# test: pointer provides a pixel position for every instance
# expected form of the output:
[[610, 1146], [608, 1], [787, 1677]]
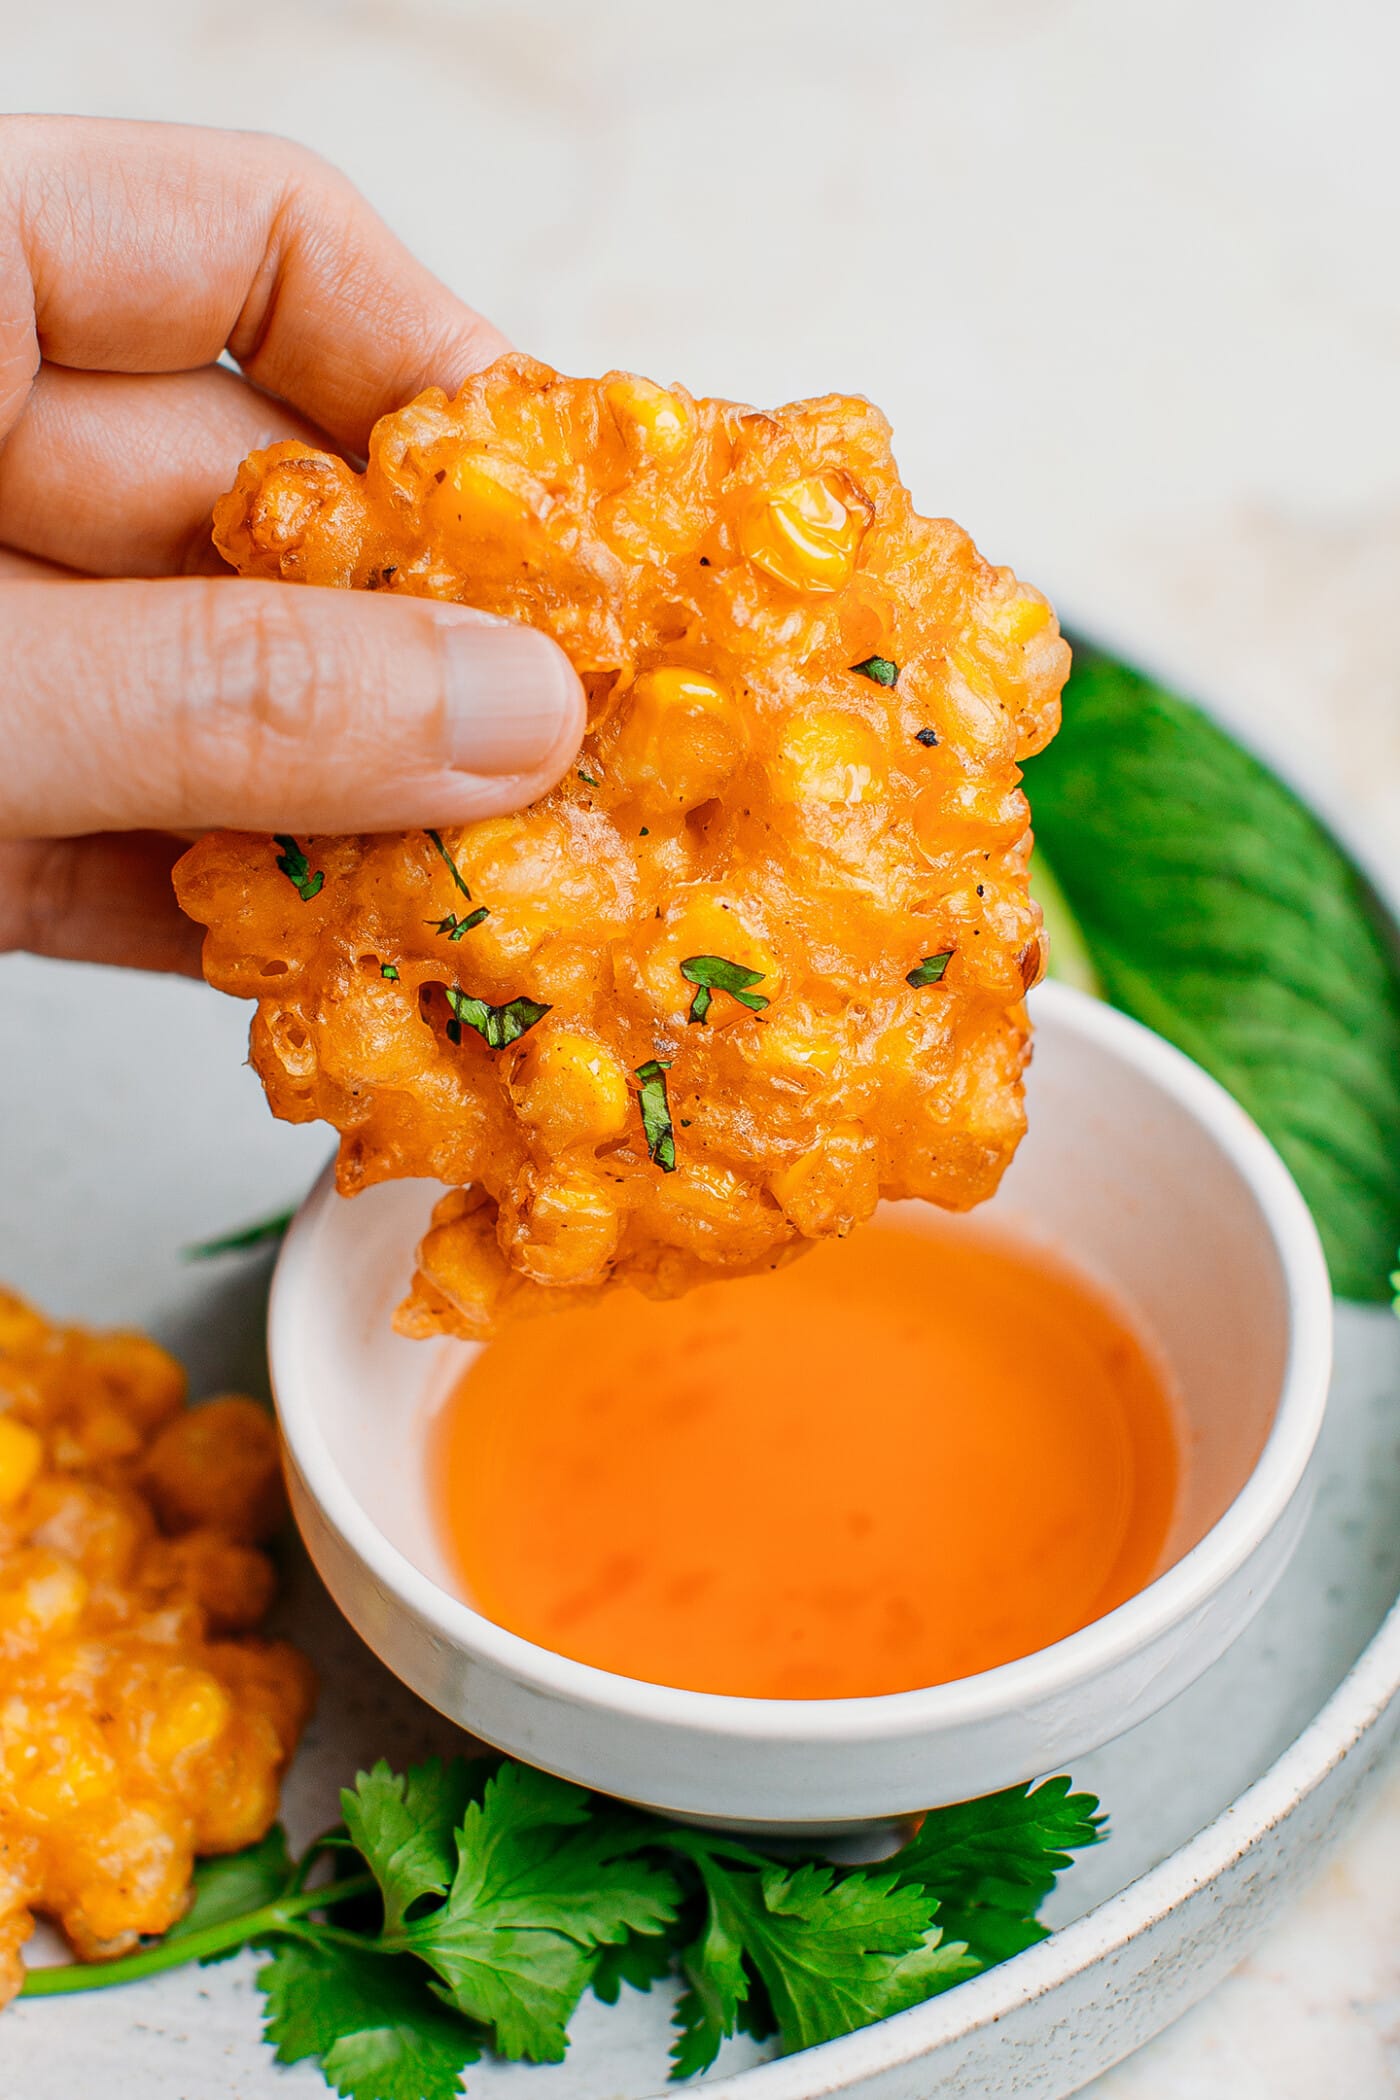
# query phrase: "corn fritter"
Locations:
[[761, 958], [140, 1723]]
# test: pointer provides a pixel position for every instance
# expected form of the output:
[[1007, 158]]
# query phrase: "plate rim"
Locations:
[[1335, 1737]]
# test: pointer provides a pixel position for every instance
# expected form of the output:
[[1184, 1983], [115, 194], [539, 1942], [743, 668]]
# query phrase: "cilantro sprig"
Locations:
[[449, 863], [880, 670], [657, 1127], [472, 1903], [715, 973], [929, 971], [498, 1026], [305, 880], [454, 926]]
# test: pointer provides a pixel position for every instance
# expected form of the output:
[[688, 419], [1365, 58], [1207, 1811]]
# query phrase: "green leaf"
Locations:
[[454, 927], [640, 1960], [833, 1952], [656, 1114], [1070, 961], [587, 777], [930, 970], [991, 1863], [391, 971], [1218, 910], [449, 863], [372, 2020], [498, 1026], [405, 1826], [238, 1882], [297, 868], [880, 669], [716, 973], [258, 1235], [542, 1882]]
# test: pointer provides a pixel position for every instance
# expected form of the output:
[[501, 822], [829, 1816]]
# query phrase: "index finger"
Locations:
[[130, 247]]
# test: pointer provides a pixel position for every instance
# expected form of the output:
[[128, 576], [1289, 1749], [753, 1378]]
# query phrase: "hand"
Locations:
[[182, 698]]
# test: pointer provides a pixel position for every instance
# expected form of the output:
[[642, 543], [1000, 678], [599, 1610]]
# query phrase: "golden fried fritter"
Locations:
[[761, 958], [139, 1726]]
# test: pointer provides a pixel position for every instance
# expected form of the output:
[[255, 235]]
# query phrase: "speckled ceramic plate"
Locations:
[[132, 1129]]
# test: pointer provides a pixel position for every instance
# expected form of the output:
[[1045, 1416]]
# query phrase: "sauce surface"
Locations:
[[908, 1457]]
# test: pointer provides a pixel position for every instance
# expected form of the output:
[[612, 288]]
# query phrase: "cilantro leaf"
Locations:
[[713, 973], [991, 1863], [450, 864], [1022, 1837], [498, 1026], [640, 1960], [656, 1114], [391, 971], [541, 1883], [405, 1826], [247, 1236], [234, 1883], [585, 775], [454, 927], [879, 669], [930, 970], [374, 2023], [833, 1952], [297, 868]]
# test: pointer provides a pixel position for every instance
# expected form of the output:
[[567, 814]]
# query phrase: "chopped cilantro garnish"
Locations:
[[584, 774], [715, 973], [927, 737], [498, 1895], [656, 1114], [391, 971], [880, 669], [930, 970], [449, 863], [454, 927], [297, 868], [498, 1026]]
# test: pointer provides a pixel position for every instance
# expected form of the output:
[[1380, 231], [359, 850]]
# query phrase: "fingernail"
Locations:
[[511, 695]]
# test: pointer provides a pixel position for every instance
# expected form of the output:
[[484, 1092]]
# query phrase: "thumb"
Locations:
[[199, 704]]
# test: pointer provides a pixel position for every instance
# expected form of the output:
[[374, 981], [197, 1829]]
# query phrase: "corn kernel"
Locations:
[[678, 738], [191, 1712], [805, 535], [830, 758], [565, 1233], [481, 498], [832, 1187], [658, 422], [570, 1088], [800, 1044], [21, 1455], [1023, 615], [76, 1767], [42, 1595]]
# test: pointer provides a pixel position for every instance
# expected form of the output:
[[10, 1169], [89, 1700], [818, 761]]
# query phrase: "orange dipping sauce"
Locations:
[[908, 1457]]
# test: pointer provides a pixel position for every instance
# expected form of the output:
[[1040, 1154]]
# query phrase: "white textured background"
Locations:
[[1126, 277]]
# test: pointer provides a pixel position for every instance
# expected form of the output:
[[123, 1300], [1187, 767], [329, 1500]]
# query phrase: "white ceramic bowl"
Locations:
[[1141, 1169]]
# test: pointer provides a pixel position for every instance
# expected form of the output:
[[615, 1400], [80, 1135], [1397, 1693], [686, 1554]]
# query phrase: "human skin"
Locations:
[[146, 693]]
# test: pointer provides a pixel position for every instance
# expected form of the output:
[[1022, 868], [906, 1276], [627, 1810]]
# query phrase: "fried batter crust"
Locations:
[[140, 1725], [744, 792]]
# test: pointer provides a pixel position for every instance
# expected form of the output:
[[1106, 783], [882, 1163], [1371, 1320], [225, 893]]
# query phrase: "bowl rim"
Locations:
[[1046, 1673]]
